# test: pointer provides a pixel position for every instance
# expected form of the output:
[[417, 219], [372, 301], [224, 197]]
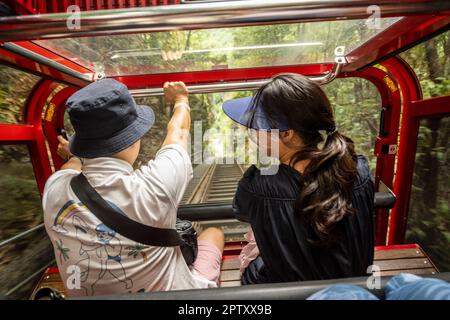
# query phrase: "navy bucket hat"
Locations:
[[106, 119]]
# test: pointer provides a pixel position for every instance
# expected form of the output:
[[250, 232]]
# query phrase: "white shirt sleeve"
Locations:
[[54, 186], [172, 169]]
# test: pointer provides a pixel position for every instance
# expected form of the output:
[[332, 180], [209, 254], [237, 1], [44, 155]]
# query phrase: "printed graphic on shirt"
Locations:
[[99, 246], [63, 251], [137, 250]]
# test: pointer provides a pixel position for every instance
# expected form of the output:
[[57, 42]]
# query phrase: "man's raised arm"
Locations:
[[178, 127]]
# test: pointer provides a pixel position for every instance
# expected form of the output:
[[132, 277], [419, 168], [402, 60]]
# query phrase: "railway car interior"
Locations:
[[224, 50]]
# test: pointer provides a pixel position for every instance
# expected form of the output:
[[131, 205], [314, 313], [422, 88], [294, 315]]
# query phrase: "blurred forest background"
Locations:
[[355, 101]]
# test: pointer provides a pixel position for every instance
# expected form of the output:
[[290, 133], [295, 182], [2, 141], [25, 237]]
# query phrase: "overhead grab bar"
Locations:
[[234, 86]]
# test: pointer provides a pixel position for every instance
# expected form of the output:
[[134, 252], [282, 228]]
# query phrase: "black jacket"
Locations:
[[288, 247]]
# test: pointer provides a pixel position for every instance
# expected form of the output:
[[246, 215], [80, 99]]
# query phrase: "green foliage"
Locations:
[[14, 89], [20, 200], [356, 104], [435, 88]]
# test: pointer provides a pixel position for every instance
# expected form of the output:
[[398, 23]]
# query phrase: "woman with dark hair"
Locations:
[[313, 218]]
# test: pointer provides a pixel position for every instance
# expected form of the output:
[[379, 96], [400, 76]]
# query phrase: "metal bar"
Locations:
[[29, 278], [206, 88], [16, 133], [20, 235], [433, 107], [211, 211], [14, 48], [232, 86], [299, 290], [202, 212], [221, 75], [206, 15]]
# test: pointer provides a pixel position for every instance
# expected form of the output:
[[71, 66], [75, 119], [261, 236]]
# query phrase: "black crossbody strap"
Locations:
[[118, 222]]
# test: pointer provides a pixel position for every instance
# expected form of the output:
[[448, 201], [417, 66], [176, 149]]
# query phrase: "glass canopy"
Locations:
[[211, 49]]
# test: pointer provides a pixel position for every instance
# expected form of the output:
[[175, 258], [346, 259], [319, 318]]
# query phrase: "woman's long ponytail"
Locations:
[[326, 196]]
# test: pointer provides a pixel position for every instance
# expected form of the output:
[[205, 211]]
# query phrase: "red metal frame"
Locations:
[[391, 104], [401, 34], [410, 89], [25, 64], [55, 6], [23, 6], [16, 133], [414, 112], [72, 64], [33, 115], [433, 107], [397, 247], [54, 120], [30, 132]]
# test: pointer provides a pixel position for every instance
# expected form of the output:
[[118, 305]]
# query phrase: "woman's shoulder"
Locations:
[[280, 182], [284, 182]]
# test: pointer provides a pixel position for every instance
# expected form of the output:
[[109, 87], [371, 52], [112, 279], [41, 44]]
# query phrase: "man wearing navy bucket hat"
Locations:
[[95, 254]]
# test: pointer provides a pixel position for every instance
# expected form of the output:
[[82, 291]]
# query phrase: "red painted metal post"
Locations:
[[42, 6], [54, 6], [32, 115], [54, 120], [25, 7], [65, 5], [40, 159], [391, 106], [410, 88]]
